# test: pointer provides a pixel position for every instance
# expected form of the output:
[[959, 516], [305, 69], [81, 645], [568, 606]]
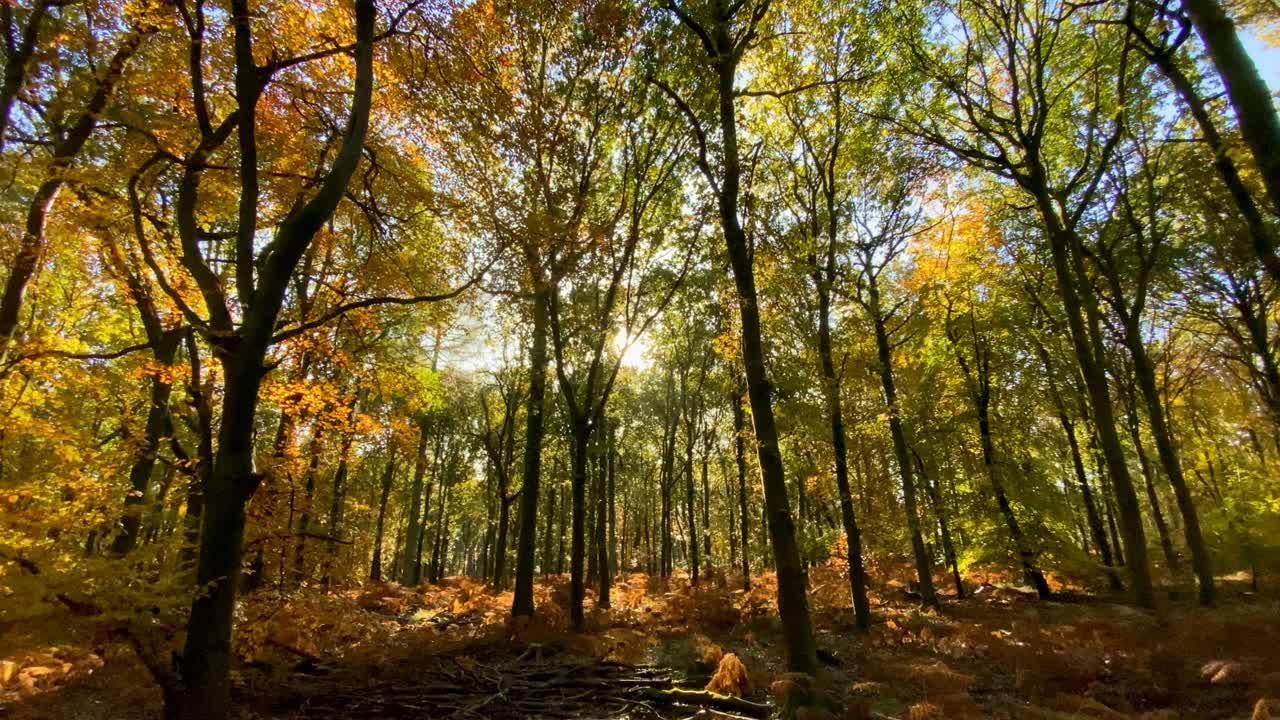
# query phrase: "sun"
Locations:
[[634, 354]]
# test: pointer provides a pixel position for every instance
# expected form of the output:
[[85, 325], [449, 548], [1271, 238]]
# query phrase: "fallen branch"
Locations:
[[705, 698]]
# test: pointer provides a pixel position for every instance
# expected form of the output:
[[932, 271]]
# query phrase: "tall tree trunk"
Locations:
[[548, 560], [1080, 301], [1145, 377], [690, 508], [1093, 517], [522, 602], [740, 459], [158, 423], [409, 569], [706, 502], [578, 544], [602, 516], [612, 568], [932, 488], [835, 417], [304, 522], [388, 475], [1153, 499], [924, 565], [793, 603]]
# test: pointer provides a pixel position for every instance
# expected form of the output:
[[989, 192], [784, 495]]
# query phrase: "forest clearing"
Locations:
[[876, 359]]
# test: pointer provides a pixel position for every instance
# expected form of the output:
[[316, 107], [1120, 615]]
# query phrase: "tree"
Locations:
[[721, 37]]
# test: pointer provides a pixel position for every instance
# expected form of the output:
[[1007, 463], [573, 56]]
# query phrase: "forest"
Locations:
[[673, 359]]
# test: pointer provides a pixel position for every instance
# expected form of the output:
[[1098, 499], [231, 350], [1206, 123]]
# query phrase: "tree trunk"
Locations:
[[522, 602], [388, 475], [1249, 94], [1144, 374], [835, 416], [158, 423], [548, 560], [578, 540], [793, 604], [924, 566], [931, 486], [409, 568], [1079, 301], [1157, 515], [304, 522], [740, 458]]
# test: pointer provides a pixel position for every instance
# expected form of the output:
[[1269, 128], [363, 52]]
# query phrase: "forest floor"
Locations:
[[450, 651]]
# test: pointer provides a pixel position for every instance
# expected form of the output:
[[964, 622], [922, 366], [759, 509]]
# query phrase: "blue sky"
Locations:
[[1267, 58]]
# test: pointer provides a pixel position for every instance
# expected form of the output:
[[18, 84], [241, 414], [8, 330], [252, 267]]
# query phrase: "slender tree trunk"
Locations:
[[409, 569], [924, 566], [1157, 515], [388, 475], [304, 521], [690, 508], [740, 459], [548, 560], [158, 423], [835, 417], [1092, 516], [931, 486], [793, 604], [522, 603], [1144, 374], [578, 540], [1080, 301], [602, 518]]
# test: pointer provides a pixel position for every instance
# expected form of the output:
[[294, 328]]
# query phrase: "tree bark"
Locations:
[[388, 476], [740, 460], [522, 602], [924, 566], [158, 424], [839, 444], [1079, 301]]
